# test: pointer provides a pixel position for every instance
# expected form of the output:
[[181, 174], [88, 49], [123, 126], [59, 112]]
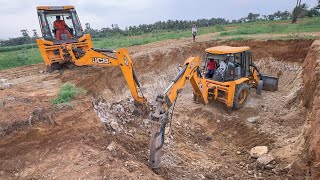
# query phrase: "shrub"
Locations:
[[67, 92]]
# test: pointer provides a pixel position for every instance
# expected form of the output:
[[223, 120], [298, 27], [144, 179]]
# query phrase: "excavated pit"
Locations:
[[205, 142], [203, 132]]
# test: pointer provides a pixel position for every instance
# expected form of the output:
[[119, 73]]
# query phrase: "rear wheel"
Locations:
[[240, 95]]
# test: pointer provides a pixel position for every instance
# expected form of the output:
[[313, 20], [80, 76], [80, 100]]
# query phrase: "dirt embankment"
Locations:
[[311, 100], [206, 142]]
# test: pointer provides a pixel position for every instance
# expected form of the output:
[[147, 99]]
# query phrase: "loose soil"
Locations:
[[44, 141]]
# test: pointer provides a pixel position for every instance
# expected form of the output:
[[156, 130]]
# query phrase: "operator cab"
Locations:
[[71, 29], [232, 63]]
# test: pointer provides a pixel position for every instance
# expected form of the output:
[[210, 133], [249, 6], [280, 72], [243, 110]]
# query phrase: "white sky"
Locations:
[[21, 14]]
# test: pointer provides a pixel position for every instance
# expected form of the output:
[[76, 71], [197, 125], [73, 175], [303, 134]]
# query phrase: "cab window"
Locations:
[[70, 18]]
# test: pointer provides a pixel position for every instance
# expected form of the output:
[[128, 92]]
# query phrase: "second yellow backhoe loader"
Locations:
[[64, 41], [230, 85]]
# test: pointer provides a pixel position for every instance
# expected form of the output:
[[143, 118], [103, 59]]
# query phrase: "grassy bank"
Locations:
[[307, 25], [18, 58], [14, 56]]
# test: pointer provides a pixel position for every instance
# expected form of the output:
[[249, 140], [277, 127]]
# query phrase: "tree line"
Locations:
[[25, 38], [301, 10]]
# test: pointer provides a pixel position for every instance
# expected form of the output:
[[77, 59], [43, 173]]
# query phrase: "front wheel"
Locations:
[[240, 95]]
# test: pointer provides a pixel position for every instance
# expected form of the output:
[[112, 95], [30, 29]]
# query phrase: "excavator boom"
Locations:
[[190, 72], [97, 57], [101, 57]]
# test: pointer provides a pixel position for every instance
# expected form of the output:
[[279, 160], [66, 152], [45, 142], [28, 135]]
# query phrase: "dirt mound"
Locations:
[[311, 100]]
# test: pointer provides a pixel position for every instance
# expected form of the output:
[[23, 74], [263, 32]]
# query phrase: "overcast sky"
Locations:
[[21, 14]]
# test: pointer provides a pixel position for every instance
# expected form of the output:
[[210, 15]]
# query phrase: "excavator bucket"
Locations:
[[270, 83]]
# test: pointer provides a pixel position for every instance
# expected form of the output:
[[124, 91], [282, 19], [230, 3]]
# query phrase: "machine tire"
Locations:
[[53, 67], [259, 87], [240, 95]]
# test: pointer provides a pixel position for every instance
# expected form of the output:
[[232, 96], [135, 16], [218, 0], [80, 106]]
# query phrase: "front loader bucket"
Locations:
[[270, 83]]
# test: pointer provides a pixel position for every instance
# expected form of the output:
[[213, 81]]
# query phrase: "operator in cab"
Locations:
[[220, 72], [61, 28], [212, 65]]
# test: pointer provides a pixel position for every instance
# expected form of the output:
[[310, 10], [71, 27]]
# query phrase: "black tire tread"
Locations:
[[239, 88]]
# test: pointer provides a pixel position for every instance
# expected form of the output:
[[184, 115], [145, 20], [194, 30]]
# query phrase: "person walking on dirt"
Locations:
[[194, 32], [212, 65], [61, 28]]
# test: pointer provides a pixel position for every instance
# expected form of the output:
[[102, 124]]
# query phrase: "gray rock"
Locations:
[[3, 80], [5, 85], [223, 152], [146, 123], [242, 164], [2, 103], [115, 126], [202, 176], [288, 168], [111, 146], [253, 119], [265, 160], [119, 108], [258, 151], [131, 108]]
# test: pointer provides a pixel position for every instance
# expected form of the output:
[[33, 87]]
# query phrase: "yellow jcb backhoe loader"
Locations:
[[64, 41], [230, 85]]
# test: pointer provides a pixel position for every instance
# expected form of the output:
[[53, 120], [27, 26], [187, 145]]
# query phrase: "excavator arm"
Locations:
[[100, 57], [82, 53], [107, 57], [190, 72]]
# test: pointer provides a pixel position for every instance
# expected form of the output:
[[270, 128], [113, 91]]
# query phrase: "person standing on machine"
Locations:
[[212, 65]]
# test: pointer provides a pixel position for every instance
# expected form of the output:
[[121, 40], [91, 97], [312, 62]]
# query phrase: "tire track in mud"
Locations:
[[21, 71]]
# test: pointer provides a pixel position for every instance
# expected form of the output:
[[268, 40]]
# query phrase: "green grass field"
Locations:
[[18, 58], [14, 56]]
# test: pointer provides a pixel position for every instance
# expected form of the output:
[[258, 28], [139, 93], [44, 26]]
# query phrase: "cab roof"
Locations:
[[226, 49], [54, 8]]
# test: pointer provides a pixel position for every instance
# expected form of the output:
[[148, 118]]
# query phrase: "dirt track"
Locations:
[[79, 146]]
